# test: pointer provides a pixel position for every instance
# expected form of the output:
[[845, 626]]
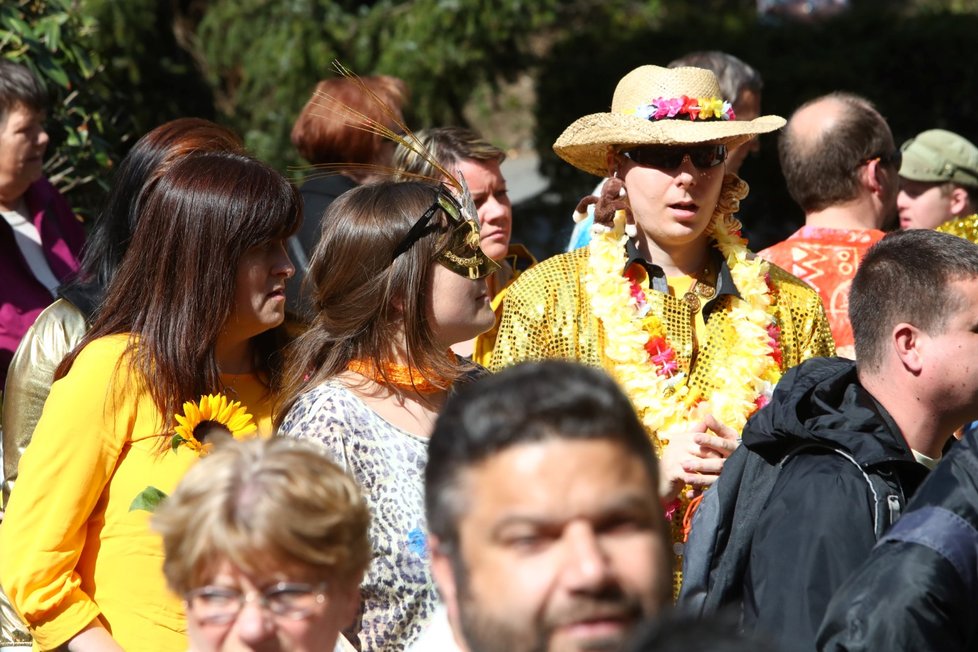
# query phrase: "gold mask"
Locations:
[[462, 252]]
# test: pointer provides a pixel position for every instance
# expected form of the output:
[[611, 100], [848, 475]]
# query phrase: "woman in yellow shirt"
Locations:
[[193, 309]]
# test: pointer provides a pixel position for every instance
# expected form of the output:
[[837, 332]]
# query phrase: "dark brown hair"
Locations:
[[20, 86], [172, 292], [907, 277], [323, 138], [149, 157], [364, 300]]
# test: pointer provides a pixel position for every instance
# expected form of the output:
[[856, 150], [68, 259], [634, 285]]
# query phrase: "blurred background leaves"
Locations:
[[519, 70]]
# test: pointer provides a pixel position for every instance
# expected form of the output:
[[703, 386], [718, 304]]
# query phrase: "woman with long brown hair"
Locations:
[[398, 277], [192, 310], [63, 324]]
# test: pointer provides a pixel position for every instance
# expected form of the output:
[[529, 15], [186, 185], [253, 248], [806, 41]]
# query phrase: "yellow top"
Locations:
[[56, 331], [71, 549]]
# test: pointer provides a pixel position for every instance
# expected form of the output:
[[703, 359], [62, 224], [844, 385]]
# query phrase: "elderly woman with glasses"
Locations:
[[666, 296], [266, 542]]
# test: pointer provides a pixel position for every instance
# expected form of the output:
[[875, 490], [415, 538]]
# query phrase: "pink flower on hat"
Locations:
[[673, 106], [728, 112]]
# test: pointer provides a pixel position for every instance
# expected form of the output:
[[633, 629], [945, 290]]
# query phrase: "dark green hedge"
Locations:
[[919, 70]]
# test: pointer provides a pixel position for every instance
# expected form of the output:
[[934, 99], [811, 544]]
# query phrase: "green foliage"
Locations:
[[265, 57], [147, 500], [50, 37], [155, 75]]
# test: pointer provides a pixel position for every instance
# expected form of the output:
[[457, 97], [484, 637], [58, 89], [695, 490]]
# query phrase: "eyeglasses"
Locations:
[[666, 157], [462, 253], [894, 158], [220, 605]]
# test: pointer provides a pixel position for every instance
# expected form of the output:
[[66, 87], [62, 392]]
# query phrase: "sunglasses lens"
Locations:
[[670, 158], [708, 156]]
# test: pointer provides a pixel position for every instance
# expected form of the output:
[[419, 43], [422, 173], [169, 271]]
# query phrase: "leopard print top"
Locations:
[[398, 594]]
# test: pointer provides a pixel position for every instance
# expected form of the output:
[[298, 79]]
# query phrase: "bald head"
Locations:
[[823, 145]]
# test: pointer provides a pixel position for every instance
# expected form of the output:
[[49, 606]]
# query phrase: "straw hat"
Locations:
[[644, 112]]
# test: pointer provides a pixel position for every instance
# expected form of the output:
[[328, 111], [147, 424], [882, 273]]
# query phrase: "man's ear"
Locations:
[[442, 571], [960, 202], [874, 177], [906, 340]]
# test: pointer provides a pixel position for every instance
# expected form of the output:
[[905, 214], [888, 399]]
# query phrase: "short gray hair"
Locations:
[[733, 74]]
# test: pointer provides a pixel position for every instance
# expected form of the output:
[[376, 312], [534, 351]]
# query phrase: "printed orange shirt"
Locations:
[[827, 260]]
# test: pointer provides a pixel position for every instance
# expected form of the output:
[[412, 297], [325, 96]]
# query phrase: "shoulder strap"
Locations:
[[716, 554]]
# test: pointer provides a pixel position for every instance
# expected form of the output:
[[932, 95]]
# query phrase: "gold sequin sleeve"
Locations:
[[546, 315], [805, 331], [963, 227]]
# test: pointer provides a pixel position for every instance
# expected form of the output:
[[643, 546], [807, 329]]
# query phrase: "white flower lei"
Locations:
[[750, 371]]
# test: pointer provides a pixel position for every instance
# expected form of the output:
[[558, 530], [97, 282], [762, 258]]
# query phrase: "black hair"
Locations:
[[529, 402]]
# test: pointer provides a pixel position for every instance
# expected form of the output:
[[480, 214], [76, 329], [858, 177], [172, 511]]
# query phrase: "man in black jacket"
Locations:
[[852, 441], [919, 588]]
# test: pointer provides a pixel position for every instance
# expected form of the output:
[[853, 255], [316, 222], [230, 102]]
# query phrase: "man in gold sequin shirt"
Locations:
[[666, 297]]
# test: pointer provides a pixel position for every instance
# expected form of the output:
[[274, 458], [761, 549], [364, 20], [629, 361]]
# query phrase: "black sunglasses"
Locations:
[[666, 157]]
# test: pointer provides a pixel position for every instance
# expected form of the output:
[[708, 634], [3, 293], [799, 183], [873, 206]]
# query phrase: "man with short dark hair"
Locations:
[[546, 531], [840, 164], [939, 183], [849, 442]]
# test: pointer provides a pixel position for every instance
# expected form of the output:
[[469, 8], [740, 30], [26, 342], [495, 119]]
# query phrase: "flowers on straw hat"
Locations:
[[658, 106]]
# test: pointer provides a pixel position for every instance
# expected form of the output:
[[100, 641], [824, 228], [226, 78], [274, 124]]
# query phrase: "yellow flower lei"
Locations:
[[751, 364]]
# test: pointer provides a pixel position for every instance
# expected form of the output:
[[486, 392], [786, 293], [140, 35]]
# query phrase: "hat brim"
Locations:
[[585, 143]]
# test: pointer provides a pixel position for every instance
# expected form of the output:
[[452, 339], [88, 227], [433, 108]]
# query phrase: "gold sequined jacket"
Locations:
[[547, 314], [963, 227]]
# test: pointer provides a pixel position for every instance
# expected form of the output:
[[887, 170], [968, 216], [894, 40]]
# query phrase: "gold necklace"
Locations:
[[699, 289]]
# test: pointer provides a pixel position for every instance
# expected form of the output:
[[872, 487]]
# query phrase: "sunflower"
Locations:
[[210, 420]]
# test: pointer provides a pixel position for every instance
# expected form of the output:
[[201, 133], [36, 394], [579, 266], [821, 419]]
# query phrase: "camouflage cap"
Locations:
[[938, 155]]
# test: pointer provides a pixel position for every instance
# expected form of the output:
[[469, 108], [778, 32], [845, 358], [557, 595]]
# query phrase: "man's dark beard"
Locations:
[[486, 635]]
